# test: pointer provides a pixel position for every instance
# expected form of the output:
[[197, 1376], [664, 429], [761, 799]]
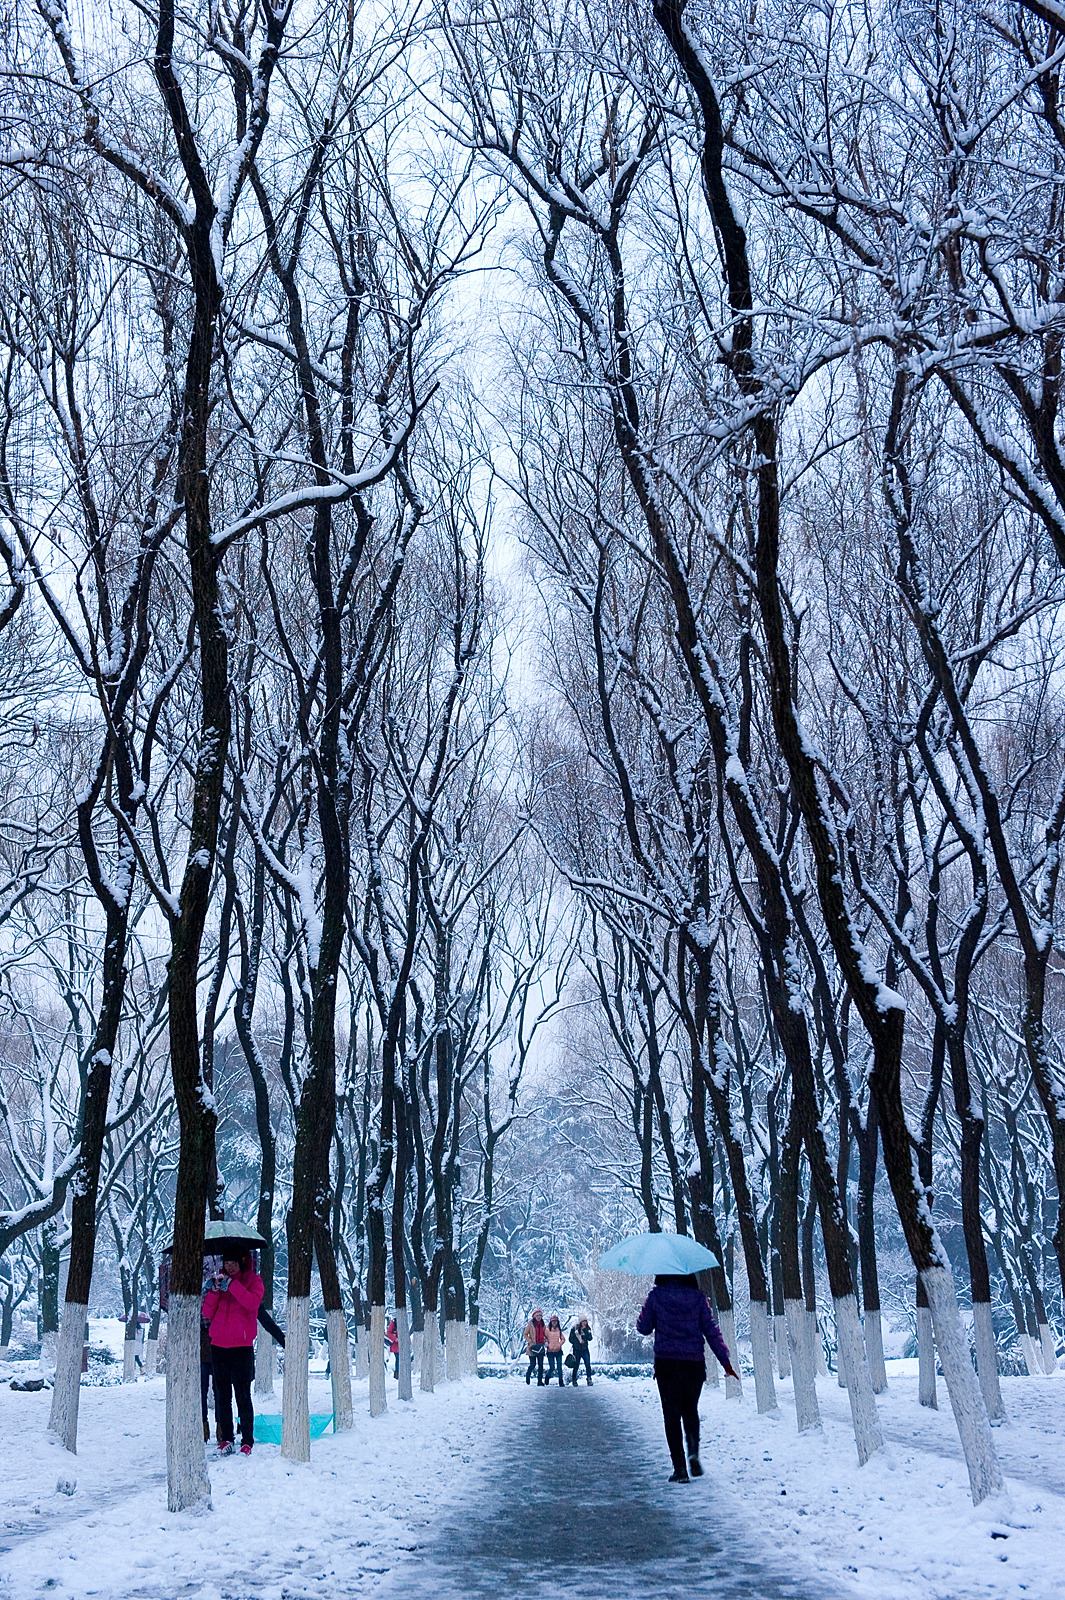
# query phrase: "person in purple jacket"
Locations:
[[678, 1314]]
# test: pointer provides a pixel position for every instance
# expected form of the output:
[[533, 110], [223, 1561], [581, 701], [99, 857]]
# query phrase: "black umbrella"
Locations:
[[218, 1235]]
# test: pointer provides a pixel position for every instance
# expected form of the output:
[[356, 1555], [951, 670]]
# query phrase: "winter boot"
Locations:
[[678, 1477], [695, 1466]]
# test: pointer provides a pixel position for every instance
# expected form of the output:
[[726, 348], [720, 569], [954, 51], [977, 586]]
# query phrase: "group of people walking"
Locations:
[[548, 1339]]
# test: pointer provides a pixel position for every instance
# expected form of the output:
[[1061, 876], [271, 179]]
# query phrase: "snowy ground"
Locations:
[[354, 1521]]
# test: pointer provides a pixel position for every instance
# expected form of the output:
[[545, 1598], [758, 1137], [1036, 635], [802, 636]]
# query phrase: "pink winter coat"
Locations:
[[232, 1312]]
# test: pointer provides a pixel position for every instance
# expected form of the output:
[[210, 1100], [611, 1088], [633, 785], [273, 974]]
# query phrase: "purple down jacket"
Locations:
[[680, 1318]]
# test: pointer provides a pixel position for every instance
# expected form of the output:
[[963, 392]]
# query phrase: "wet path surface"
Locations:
[[574, 1504]]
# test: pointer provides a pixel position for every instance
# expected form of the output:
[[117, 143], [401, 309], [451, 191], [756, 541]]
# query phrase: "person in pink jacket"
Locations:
[[556, 1343], [230, 1309]]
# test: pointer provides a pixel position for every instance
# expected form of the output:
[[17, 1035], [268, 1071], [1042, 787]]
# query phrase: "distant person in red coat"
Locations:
[[392, 1341], [230, 1308]]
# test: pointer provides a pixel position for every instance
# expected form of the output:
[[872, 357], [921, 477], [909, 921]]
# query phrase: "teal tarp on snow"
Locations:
[[268, 1429]]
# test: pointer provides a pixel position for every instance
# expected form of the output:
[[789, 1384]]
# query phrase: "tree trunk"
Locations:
[[129, 1353], [265, 1361], [453, 1334], [362, 1360], [48, 1295], [63, 1419], [417, 1341], [926, 1353], [336, 1330], [151, 1347], [378, 1396], [867, 1434], [399, 1250], [727, 1323], [970, 1415], [807, 1410], [295, 1403], [868, 1143]]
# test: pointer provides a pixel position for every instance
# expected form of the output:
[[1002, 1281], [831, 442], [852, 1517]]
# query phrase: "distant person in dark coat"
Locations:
[[678, 1314], [580, 1338]]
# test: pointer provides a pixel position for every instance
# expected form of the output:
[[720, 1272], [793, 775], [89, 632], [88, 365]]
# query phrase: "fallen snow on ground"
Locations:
[[899, 1528], [278, 1529], [903, 1525]]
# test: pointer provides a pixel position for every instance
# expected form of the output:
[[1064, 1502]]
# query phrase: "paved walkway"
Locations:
[[572, 1503]]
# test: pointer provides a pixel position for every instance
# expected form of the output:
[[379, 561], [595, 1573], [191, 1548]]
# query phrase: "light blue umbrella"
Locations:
[[651, 1253]]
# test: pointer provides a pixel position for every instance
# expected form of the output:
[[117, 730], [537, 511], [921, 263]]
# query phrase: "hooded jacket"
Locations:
[[232, 1313], [680, 1319]]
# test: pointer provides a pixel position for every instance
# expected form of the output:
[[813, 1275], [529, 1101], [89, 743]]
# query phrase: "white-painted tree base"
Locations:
[[295, 1401], [362, 1354], [454, 1336], [726, 1321], [765, 1394], [63, 1419], [780, 1341], [713, 1367], [987, 1361], [926, 1360], [1032, 1360], [471, 1350], [967, 1403], [265, 1362], [874, 1350], [376, 1353], [406, 1385], [818, 1343], [188, 1488], [807, 1410], [868, 1437], [151, 1357], [416, 1354], [336, 1332], [49, 1351], [129, 1360], [1050, 1355], [427, 1365]]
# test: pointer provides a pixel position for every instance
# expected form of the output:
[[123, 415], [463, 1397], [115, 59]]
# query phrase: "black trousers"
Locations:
[[536, 1364], [233, 1370], [582, 1355], [205, 1383], [679, 1385]]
